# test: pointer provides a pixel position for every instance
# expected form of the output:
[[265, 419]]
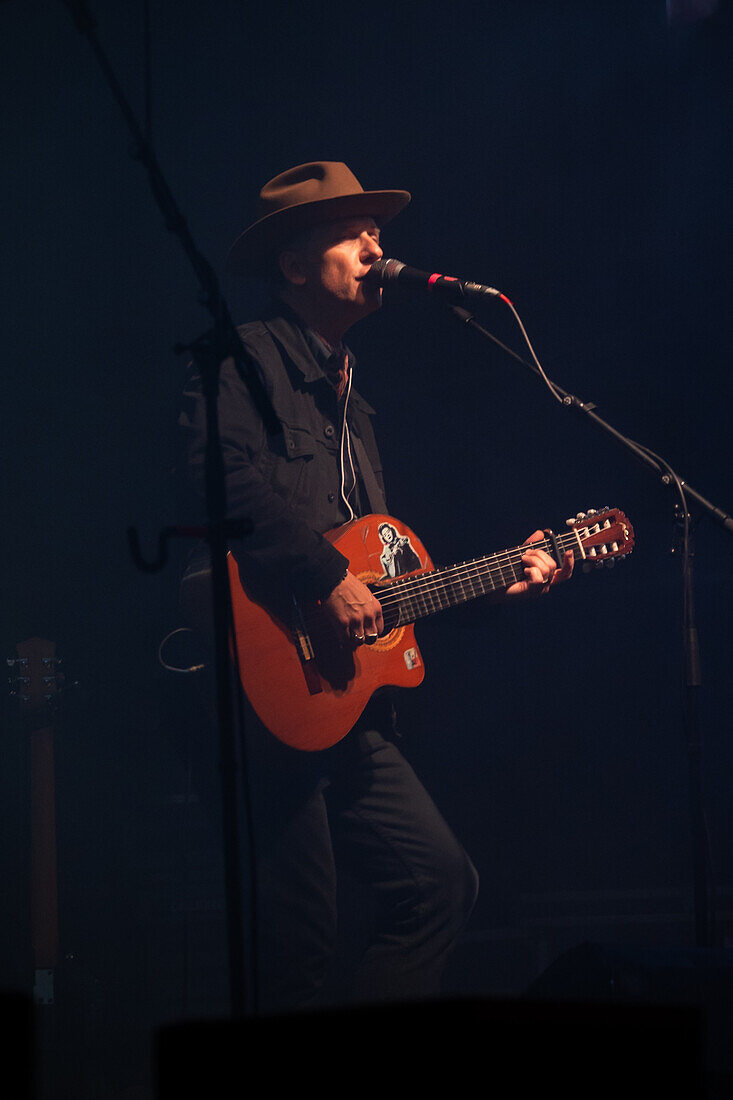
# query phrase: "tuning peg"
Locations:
[[591, 511], [570, 522], [609, 563], [580, 515]]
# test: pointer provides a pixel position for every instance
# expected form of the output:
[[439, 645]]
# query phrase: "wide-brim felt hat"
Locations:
[[300, 199]]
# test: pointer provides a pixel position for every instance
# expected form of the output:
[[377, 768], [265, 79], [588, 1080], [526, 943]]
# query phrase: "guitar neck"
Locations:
[[422, 595]]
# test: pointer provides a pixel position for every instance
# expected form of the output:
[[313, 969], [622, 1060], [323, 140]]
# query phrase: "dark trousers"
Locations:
[[354, 814]]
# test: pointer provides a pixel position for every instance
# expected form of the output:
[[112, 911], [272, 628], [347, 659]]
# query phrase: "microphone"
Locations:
[[394, 272]]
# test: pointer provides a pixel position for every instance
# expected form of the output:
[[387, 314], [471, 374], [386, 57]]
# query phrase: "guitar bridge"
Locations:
[[306, 653]]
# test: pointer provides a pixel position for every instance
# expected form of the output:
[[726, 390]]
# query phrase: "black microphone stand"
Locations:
[[208, 352], [704, 906]]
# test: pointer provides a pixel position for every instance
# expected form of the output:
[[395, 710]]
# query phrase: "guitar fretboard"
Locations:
[[405, 601]]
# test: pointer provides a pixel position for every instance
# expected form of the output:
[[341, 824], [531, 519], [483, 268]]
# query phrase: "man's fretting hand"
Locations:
[[540, 570]]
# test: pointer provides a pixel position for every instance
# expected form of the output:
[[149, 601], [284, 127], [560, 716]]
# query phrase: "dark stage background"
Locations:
[[575, 155]]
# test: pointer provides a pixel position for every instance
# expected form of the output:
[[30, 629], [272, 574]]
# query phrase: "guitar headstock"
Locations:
[[605, 535], [37, 682]]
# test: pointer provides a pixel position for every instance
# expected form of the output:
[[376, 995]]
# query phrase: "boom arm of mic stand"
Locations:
[[569, 400]]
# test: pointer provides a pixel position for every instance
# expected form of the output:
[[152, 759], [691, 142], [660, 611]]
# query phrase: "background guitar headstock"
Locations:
[[36, 683]]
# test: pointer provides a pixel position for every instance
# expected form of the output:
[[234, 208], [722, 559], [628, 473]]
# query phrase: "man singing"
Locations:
[[302, 465]]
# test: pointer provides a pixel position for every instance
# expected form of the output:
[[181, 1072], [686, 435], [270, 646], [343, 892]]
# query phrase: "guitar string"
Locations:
[[491, 566], [419, 589], [440, 580], [511, 556], [419, 595]]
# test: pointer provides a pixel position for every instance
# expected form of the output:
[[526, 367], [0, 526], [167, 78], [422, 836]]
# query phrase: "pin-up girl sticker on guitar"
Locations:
[[398, 556]]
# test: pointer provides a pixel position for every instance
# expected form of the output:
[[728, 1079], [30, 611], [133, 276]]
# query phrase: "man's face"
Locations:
[[332, 263]]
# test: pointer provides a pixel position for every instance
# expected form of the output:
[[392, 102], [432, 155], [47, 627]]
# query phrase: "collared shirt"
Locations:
[[336, 363]]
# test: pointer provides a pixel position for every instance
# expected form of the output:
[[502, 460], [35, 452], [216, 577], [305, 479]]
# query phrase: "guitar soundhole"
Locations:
[[390, 612], [335, 662]]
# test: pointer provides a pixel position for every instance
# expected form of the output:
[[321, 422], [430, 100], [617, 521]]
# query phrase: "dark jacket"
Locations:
[[282, 460]]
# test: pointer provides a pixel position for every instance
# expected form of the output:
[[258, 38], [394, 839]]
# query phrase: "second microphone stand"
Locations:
[[208, 352]]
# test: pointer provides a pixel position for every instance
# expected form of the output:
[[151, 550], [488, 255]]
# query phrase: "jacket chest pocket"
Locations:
[[286, 463], [297, 443]]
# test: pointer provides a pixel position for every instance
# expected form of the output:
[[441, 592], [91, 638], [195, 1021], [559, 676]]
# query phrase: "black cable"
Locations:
[[147, 74]]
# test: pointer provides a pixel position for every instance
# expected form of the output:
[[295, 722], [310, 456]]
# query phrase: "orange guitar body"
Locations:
[[307, 689]]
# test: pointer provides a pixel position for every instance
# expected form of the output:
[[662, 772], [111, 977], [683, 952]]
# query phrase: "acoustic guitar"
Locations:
[[309, 690]]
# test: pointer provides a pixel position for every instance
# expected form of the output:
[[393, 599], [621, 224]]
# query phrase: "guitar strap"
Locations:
[[377, 503]]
